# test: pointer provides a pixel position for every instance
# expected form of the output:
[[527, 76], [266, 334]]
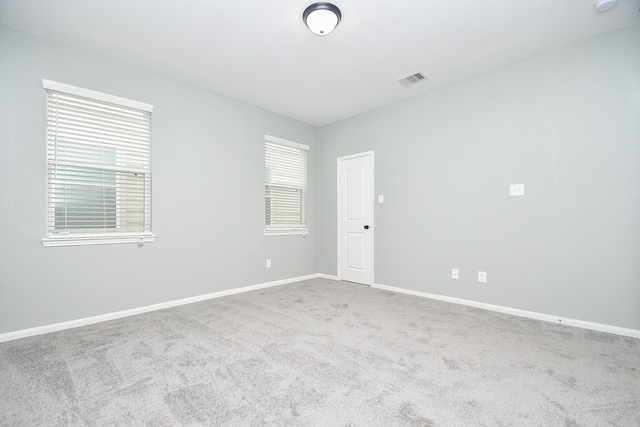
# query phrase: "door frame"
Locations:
[[339, 206]]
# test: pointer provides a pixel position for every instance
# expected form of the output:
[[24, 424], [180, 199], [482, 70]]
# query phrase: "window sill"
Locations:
[[287, 232], [140, 239]]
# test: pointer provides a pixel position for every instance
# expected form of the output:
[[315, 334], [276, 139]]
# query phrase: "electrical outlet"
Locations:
[[454, 273], [482, 276], [268, 263], [516, 190]]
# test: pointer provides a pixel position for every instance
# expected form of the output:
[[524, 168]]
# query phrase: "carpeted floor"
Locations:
[[321, 353]]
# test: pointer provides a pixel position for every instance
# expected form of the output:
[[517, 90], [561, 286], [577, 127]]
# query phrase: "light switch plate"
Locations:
[[516, 190], [380, 198]]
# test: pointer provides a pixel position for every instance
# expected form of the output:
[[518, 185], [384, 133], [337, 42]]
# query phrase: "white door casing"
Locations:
[[355, 218]]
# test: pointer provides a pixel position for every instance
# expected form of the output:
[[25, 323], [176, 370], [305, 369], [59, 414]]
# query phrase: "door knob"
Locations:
[[366, 227]]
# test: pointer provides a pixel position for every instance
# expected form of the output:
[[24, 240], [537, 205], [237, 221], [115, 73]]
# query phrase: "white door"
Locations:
[[355, 218]]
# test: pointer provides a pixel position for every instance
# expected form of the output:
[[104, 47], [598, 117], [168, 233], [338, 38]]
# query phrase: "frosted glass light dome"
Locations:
[[322, 18]]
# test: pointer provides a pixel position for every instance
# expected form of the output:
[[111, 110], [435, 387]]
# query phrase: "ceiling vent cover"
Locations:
[[412, 79]]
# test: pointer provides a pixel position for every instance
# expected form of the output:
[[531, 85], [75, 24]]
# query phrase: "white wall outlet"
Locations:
[[516, 190], [268, 263], [454, 273], [482, 276], [380, 198]]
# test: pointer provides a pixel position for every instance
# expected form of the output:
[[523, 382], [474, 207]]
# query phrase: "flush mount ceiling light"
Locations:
[[604, 5], [321, 18]]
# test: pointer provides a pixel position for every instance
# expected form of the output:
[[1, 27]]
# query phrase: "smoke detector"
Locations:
[[604, 5], [412, 79]]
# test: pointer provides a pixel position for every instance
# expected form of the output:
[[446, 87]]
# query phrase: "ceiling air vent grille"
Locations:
[[412, 79]]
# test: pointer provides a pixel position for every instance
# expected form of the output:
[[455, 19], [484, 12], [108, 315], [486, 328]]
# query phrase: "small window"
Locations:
[[98, 168], [285, 187]]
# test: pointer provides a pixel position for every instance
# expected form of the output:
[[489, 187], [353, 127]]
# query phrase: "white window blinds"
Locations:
[[285, 186], [98, 167]]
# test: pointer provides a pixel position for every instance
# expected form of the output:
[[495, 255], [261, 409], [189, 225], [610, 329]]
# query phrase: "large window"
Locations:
[[98, 168], [285, 186]]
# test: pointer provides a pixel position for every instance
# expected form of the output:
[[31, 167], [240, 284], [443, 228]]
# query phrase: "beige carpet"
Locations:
[[321, 353]]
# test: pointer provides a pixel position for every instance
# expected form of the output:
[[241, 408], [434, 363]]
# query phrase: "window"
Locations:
[[285, 187], [98, 168]]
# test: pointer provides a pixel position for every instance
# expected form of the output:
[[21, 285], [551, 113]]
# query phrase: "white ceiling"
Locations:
[[260, 52]]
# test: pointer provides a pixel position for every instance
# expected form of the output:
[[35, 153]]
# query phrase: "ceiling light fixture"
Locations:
[[604, 5], [322, 18]]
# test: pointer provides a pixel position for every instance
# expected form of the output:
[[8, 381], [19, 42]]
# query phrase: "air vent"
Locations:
[[412, 79]]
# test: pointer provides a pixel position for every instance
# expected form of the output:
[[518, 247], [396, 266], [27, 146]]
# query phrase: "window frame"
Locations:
[[290, 229], [69, 238]]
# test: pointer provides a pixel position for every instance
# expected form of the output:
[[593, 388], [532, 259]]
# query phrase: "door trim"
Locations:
[[339, 205]]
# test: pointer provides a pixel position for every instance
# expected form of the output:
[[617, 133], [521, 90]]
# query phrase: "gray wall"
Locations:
[[564, 123], [208, 194]]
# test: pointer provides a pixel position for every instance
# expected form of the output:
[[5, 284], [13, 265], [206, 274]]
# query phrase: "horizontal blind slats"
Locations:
[[84, 118], [81, 131], [98, 166], [285, 186], [71, 102], [92, 168]]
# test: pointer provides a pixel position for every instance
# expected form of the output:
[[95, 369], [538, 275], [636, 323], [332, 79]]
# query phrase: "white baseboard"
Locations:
[[634, 333], [24, 333], [327, 276]]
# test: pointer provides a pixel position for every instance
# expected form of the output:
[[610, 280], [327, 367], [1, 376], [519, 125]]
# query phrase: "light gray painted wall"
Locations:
[[564, 123], [208, 190]]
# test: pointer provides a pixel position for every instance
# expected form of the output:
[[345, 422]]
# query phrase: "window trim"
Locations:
[[52, 240], [287, 231], [98, 239], [302, 231], [98, 96]]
